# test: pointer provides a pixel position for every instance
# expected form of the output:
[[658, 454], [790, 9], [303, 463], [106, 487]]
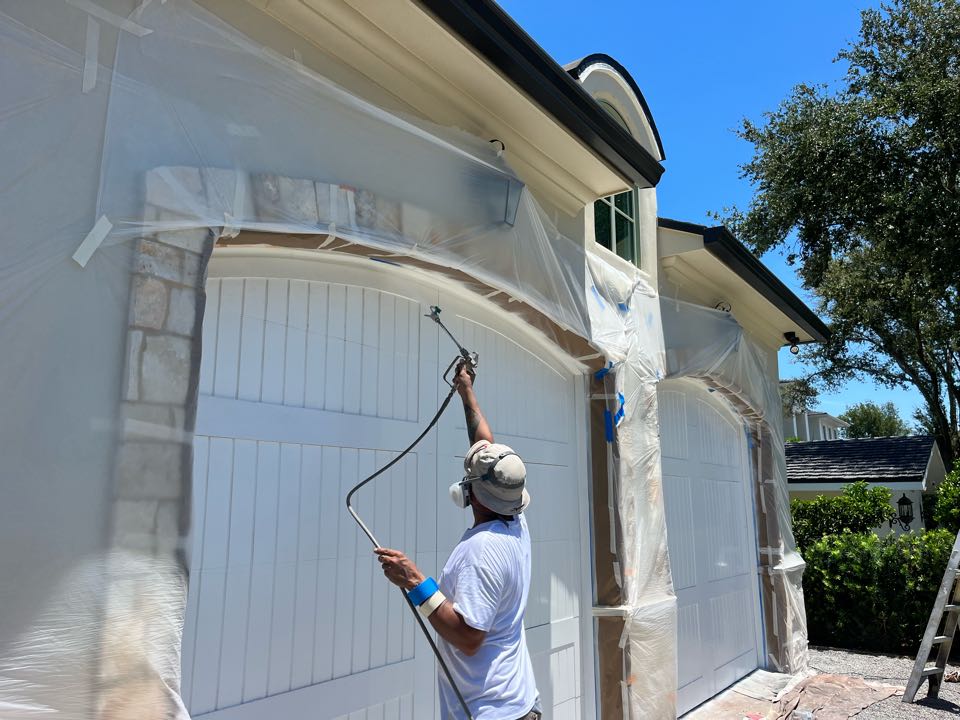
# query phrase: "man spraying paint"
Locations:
[[478, 606]]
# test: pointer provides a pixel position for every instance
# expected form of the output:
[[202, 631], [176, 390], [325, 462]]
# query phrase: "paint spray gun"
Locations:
[[471, 359]]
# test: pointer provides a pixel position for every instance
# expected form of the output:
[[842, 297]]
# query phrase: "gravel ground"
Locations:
[[891, 670]]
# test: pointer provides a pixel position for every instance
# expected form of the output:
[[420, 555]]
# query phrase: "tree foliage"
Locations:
[[860, 183], [797, 396], [869, 420], [858, 509], [946, 509]]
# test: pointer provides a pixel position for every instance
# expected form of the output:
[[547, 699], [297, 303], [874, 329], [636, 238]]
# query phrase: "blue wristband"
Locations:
[[423, 592]]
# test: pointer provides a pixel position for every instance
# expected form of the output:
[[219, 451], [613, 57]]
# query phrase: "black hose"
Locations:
[[376, 544]]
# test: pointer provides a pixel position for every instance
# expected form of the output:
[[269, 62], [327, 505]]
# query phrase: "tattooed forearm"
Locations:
[[473, 418]]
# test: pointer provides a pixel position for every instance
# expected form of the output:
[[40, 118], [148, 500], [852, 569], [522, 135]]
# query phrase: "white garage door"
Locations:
[[712, 540], [313, 375]]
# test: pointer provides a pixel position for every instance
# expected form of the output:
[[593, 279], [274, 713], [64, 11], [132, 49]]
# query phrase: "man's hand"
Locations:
[[464, 377], [398, 568]]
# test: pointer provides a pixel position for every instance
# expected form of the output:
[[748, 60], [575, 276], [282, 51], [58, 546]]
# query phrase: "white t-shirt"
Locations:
[[488, 578]]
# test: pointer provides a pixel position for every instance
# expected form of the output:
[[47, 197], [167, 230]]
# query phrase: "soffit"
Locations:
[[403, 50], [696, 274]]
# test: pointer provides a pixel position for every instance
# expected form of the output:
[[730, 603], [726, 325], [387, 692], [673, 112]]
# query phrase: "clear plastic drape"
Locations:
[[709, 345], [132, 142]]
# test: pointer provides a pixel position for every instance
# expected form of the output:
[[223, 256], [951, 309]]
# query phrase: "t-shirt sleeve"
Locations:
[[478, 594]]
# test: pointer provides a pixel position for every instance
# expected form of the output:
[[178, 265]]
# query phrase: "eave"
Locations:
[[731, 254]]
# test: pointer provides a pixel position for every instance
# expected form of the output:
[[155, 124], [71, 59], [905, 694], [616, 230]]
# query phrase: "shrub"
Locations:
[[872, 593], [946, 510], [859, 509]]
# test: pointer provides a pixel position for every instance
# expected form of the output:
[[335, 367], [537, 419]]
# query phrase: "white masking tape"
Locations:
[[92, 241], [110, 18], [91, 55]]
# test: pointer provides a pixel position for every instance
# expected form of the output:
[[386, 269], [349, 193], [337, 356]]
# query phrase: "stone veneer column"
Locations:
[[147, 571]]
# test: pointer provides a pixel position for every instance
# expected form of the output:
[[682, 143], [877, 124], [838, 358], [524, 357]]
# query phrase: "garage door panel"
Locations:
[[312, 344], [554, 583], [724, 529], [678, 503], [690, 642], [673, 415], [712, 546]]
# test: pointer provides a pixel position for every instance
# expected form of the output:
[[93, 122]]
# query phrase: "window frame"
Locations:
[[610, 242]]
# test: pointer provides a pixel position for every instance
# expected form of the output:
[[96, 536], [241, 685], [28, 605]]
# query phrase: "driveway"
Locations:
[[890, 670]]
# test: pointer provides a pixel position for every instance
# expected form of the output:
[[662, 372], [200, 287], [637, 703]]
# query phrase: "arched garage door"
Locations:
[[314, 374], [712, 540]]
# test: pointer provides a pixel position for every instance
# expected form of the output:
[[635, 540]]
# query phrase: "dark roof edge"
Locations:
[[846, 480], [576, 69], [721, 243], [496, 37]]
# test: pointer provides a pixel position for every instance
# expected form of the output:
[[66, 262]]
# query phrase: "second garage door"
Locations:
[[712, 541]]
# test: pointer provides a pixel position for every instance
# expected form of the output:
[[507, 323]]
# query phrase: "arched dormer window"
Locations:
[[615, 217]]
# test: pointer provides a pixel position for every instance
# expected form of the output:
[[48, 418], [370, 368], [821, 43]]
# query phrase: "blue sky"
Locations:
[[702, 67]]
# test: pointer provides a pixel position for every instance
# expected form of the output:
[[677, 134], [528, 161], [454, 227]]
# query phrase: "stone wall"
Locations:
[[146, 572]]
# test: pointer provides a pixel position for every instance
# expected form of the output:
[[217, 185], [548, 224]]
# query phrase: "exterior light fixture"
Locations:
[[904, 513], [791, 337]]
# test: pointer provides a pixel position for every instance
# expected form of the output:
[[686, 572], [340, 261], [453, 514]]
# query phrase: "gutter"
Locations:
[[497, 38]]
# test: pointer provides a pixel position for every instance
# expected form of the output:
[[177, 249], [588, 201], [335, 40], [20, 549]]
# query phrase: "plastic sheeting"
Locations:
[[118, 177], [709, 345]]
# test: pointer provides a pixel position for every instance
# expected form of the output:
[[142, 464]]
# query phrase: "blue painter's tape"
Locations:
[[596, 294], [386, 262], [623, 307], [621, 411], [602, 372], [608, 424], [423, 592]]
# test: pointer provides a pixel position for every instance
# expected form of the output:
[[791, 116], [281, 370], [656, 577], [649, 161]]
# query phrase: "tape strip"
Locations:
[[621, 411], [91, 55], [92, 241], [608, 425], [110, 18], [596, 294], [602, 372]]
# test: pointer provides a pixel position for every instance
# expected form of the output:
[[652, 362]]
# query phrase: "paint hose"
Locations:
[[470, 358]]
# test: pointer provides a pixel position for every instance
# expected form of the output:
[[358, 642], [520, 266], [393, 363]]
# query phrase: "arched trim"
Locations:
[[579, 68]]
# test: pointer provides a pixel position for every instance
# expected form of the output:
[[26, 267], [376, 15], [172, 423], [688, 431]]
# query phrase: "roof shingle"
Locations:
[[889, 459]]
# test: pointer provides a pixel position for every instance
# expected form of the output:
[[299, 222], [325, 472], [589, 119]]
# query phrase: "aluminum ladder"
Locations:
[[946, 608]]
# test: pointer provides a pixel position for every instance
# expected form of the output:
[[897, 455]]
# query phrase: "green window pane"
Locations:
[[601, 223], [624, 203], [625, 245]]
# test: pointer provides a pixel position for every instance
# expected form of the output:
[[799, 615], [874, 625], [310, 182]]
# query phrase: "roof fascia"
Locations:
[[721, 243], [496, 37]]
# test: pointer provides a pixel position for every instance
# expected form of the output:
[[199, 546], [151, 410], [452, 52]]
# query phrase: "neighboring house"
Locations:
[[909, 466], [810, 425], [240, 177]]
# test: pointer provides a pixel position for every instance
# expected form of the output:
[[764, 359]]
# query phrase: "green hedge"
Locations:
[[872, 593], [859, 508]]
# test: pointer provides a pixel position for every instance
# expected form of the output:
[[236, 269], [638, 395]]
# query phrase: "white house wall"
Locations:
[[227, 141]]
